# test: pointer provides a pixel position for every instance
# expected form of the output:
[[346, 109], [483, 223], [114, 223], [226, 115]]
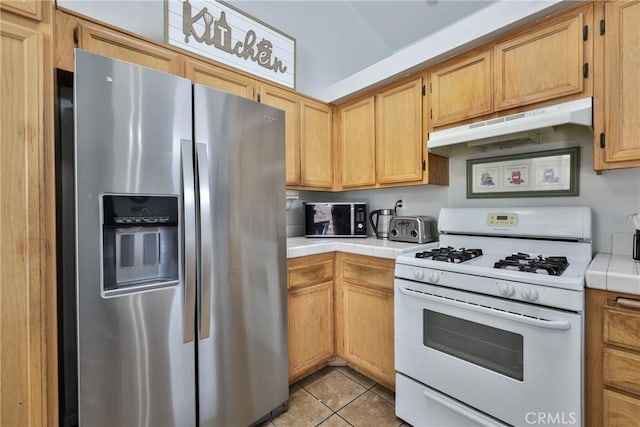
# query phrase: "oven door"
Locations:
[[517, 362]]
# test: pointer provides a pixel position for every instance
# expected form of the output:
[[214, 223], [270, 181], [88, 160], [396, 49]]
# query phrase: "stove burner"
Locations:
[[553, 265], [449, 254]]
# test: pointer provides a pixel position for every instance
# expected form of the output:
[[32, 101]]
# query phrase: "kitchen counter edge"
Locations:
[[615, 273], [371, 246]]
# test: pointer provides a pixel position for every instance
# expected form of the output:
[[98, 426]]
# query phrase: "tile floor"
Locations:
[[336, 397]]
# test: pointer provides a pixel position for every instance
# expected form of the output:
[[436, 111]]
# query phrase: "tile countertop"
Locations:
[[303, 246], [616, 271]]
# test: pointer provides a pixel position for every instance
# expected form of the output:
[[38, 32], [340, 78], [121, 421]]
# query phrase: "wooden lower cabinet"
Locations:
[[343, 308], [310, 306], [364, 315], [613, 359], [310, 328], [620, 410]]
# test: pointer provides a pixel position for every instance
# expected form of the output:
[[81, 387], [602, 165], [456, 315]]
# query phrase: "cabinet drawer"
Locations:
[[622, 327], [310, 270], [622, 370], [366, 270], [620, 410]]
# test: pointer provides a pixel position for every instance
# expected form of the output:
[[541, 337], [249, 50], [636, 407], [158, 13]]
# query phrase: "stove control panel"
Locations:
[[524, 292], [502, 219]]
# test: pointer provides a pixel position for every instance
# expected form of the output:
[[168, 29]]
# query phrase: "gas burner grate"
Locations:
[[552, 265], [450, 254]]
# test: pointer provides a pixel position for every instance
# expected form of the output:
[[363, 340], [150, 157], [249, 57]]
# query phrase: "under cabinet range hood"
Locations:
[[515, 129]]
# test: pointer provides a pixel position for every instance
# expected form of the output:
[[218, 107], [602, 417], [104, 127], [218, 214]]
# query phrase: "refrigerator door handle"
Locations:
[[188, 191], [205, 239]]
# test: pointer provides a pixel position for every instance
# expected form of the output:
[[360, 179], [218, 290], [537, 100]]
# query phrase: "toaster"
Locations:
[[413, 229]]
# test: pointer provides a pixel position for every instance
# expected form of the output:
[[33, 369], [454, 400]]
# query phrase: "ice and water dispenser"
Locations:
[[140, 242]]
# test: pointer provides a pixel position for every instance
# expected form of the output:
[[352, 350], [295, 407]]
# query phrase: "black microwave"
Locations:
[[335, 219]]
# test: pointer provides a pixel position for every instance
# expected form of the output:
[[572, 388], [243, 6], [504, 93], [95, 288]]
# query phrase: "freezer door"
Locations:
[[242, 350], [135, 342]]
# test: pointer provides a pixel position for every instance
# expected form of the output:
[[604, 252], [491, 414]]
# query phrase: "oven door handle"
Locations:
[[531, 321], [461, 409]]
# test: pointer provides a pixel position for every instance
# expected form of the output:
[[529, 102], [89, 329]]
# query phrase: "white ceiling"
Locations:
[[334, 39]]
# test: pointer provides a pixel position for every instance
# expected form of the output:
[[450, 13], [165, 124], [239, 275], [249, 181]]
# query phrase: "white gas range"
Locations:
[[489, 324]]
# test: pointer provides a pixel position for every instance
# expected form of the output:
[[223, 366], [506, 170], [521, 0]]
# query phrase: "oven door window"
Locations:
[[482, 345]]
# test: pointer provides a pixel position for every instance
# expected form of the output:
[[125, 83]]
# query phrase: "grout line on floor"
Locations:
[[335, 412], [356, 381], [321, 401], [343, 406], [344, 419]]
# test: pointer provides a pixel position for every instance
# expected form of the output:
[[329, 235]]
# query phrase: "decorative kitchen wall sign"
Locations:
[[219, 31], [541, 174]]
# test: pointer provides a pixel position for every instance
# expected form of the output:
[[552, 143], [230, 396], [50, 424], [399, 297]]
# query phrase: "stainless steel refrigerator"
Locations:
[[173, 251]]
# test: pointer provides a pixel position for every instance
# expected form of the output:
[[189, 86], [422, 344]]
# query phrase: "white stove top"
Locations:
[[530, 231], [495, 249]]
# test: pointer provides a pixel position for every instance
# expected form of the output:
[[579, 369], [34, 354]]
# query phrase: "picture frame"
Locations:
[[551, 173]]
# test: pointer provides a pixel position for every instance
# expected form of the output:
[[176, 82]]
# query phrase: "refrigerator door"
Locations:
[[136, 350], [242, 351]]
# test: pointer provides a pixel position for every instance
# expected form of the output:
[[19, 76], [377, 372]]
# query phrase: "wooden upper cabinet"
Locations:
[[399, 133], [461, 89], [357, 142], [23, 289], [541, 64], [29, 8], [290, 104], [620, 88], [219, 78], [116, 45], [316, 144]]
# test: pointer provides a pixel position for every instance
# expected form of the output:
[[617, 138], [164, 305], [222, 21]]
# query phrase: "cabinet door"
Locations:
[[543, 64], [622, 84], [316, 144], [289, 103], [620, 410], [367, 330], [29, 8], [399, 133], [461, 90], [23, 294], [364, 315], [219, 78], [357, 138], [310, 328], [116, 45]]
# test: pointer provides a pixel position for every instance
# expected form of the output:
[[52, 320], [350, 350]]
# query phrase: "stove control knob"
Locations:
[[506, 290], [418, 274], [434, 277], [530, 294]]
